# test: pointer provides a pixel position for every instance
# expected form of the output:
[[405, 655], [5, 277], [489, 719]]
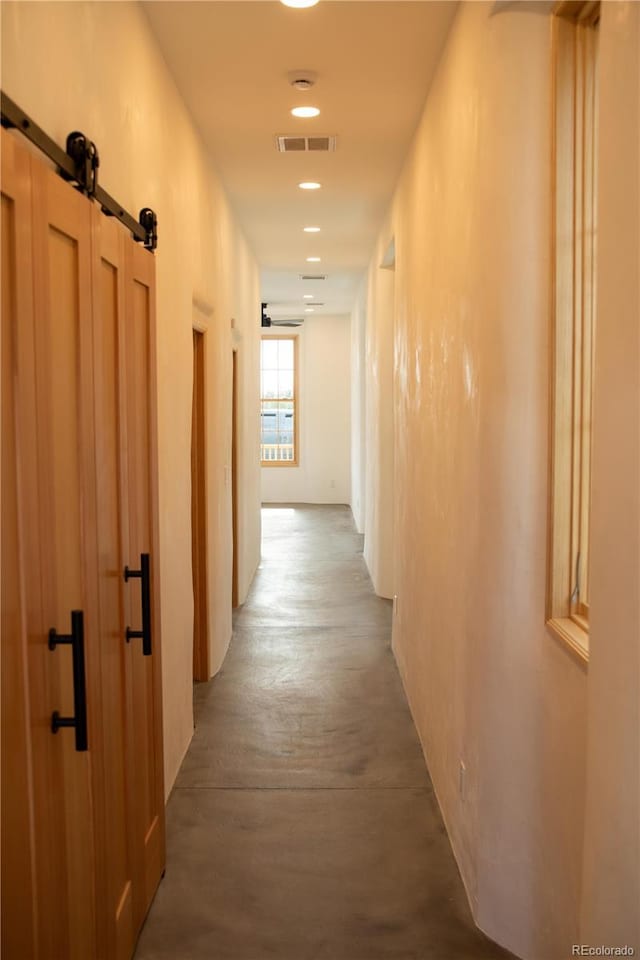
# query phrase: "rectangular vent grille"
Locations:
[[290, 144], [321, 143], [315, 303], [312, 276]]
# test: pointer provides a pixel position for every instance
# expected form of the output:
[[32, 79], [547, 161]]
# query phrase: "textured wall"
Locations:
[[323, 471], [358, 410], [379, 427], [95, 67], [488, 685]]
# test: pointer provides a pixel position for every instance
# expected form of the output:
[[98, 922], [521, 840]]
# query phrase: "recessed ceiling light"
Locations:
[[299, 4], [308, 309], [309, 185], [308, 296], [313, 259], [305, 112], [312, 229]]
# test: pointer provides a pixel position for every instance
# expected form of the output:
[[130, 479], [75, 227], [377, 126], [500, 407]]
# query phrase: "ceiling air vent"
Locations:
[[287, 322], [291, 144], [312, 276], [321, 143], [286, 144]]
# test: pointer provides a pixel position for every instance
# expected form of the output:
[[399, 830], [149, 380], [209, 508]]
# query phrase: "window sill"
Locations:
[[279, 463], [571, 635]]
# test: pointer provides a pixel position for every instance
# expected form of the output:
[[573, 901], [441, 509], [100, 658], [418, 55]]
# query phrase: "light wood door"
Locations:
[[124, 380], [115, 655], [82, 830], [19, 934], [63, 789], [138, 362]]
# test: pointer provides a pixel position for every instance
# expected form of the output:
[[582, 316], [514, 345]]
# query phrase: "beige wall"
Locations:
[[541, 737], [379, 419], [358, 408], [324, 437], [94, 67]]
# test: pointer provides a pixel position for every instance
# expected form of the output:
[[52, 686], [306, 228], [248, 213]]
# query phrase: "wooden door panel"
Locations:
[[143, 538], [66, 490], [115, 654], [19, 933], [82, 831], [140, 542]]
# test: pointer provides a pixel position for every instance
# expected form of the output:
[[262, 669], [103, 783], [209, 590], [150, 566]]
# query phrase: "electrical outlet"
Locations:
[[462, 781]]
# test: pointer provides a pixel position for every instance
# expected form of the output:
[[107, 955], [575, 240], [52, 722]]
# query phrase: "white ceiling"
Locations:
[[374, 61]]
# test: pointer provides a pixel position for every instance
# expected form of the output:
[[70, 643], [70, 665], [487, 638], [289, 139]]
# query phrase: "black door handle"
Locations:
[[79, 720], [145, 595]]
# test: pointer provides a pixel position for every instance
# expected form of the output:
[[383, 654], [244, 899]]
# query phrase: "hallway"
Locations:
[[303, 823]]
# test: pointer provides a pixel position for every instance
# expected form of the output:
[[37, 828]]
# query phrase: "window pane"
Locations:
[[269, 384], [285, 354], [270, 354], [285, 424], [285, 383], [277, 423], [269, 426]]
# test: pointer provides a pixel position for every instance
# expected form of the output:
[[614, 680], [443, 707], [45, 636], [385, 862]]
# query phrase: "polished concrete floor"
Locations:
[[303, 824]]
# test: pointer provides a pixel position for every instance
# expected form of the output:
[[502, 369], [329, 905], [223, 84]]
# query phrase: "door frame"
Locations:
[[235, 588], [199, 522]]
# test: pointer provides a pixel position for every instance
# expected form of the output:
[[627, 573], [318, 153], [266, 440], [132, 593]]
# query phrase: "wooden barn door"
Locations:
[[82, 802], [48, 536], [139, 363]]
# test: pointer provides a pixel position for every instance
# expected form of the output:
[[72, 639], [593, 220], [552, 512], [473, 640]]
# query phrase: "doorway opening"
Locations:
[[199, 513]]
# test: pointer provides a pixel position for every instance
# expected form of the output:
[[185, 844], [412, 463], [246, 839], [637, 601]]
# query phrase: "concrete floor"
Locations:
[[303, 824]]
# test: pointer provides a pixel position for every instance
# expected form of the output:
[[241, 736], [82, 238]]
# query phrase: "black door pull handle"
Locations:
[[79, 719], [145, 595]]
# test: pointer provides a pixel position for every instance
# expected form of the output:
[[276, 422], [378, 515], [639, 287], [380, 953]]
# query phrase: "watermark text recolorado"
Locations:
[[586, 950]]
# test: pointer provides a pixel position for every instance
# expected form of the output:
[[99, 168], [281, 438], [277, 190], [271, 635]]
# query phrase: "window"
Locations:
[[575, 233], [278, 402]]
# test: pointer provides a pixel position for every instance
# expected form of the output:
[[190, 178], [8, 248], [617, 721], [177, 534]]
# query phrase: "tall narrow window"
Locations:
[[278, 401], [575, 234]]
